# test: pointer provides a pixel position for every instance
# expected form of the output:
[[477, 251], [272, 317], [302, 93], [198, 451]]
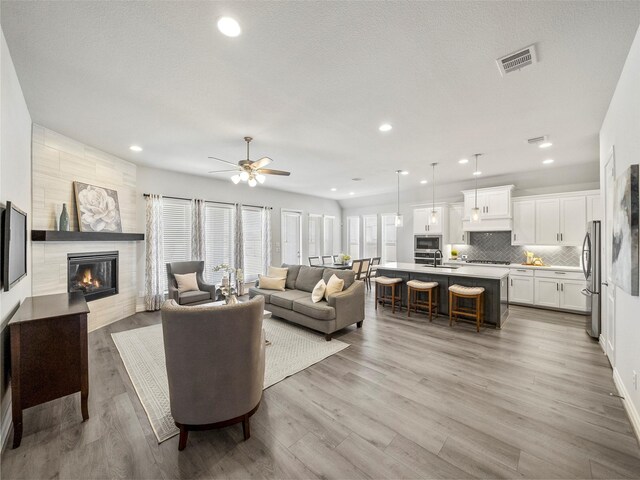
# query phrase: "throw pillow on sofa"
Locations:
[[277, 272], [187, 282], [271, 283], [318, 291], [334, 285]]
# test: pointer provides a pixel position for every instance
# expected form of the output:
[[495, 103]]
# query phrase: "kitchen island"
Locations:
[[494, 280]]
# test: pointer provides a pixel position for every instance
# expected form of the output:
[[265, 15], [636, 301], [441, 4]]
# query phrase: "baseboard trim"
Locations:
[[5, 428], [633, 414]]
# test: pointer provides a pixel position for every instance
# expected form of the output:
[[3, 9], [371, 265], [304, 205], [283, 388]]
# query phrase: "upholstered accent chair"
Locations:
[[215, 364], [206, 292]]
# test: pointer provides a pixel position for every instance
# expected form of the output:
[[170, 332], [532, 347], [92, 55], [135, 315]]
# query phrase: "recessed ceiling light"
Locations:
[[545, 145], [229, 27], [404, 172], [334, 189], [357, 179], [548, 161], [477, 172], [423, 182], [385, 127], [352, 193], [463, 160], [135, 148]]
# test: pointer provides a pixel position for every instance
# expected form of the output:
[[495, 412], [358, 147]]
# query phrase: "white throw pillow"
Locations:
[[187, 282], [271, 283], [318, 291], [277, 272], [334, 285]]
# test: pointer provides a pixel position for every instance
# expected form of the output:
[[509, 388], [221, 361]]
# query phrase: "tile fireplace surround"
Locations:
[[57, 162]]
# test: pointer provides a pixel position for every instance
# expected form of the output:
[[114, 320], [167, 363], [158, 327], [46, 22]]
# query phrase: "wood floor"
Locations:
[[407, 399]]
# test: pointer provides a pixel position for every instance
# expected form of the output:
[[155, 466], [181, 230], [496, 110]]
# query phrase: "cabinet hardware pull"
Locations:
[[560, 273], [562, 287], [520, 270], [561, 237], [557, 237], [512, 282], [514, 237], [557, 287]]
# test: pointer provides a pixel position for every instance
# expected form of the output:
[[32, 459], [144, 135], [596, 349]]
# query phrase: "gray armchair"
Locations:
[[207, 292], [215, 364]]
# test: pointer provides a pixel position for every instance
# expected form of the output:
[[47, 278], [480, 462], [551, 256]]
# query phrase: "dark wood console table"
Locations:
[[48, 336]]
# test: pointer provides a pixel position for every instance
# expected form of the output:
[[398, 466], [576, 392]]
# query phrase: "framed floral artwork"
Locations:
[[98, 208]]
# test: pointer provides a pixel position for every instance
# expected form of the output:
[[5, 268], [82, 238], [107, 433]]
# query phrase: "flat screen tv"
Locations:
[[14, 246]]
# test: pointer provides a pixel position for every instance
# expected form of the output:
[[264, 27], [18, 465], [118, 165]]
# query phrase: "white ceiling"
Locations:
[[312, 81]]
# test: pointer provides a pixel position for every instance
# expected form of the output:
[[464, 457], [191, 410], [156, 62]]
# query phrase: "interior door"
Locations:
[[291, 237], [608, 290]]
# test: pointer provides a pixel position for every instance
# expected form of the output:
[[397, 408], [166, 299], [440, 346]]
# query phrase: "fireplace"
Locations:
[[93, 274]]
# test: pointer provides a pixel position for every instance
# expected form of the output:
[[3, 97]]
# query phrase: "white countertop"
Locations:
[[466, 271], [559, 268]]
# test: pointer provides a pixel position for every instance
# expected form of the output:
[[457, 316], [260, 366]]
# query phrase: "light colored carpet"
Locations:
[[292, 350]]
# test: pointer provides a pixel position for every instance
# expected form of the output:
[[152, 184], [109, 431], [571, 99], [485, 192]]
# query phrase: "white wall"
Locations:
[[15, 185], [621, 130], [164, 182]]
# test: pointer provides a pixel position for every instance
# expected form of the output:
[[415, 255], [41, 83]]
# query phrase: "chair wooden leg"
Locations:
[[359, 324], [327, 337], [246, 428], [409, 301], [430, 309], [450, 308], [478, 302], [377, 288], [393, 298], [184, 434]]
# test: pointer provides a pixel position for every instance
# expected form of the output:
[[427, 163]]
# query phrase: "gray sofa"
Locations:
[[295, 305]]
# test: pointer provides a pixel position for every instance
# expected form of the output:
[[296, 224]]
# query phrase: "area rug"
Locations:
[[292, 349]]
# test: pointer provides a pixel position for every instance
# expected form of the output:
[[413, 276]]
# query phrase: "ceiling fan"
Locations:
[[248, 171]]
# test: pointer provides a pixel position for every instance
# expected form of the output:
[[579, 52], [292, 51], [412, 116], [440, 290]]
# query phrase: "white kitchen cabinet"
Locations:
[[457, 236], [437, 227], [422, 224], [524, 222], [521, 288], [547, 292], [494, 202], [594, 208], [573, 220], [420, 221], [571, 296], [547, 221]]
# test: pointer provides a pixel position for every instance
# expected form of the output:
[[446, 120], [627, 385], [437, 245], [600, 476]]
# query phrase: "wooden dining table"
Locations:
[[338, 266]]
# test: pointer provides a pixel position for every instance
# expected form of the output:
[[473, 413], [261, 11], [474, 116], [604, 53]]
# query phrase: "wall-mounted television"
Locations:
[[14, 246]]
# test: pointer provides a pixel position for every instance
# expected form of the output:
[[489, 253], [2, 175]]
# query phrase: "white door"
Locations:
[[370, 236], [571, 296], [520, 289], [389, 243], [547, 222], [328, 235], [420, 221], [497, 204], [291, 237], [547, 292], [524, 222], [573, 220], [608, 291], [353, 237]]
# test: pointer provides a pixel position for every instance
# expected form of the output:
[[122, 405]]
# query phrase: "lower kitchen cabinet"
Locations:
[[559, 293], [571, 296], [521, 289], [547, 292]]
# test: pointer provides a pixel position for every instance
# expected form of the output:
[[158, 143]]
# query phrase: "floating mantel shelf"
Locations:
[[56, 236]]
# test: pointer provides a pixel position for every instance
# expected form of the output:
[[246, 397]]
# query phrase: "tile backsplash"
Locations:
[[497, 246]]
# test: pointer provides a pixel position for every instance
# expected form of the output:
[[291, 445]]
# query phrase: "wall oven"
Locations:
[[428, 258], [426, 243]]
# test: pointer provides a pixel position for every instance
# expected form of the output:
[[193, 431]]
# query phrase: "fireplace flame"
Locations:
[[88, 280]]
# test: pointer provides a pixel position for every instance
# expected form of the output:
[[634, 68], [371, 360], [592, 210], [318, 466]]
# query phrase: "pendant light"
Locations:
[[399, 220], [434, 212], [475, 211]]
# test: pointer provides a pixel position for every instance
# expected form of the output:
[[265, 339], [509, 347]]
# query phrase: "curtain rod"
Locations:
[[210, 201]]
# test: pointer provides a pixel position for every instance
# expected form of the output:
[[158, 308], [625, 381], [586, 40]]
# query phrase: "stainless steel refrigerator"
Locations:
[[591, 266]]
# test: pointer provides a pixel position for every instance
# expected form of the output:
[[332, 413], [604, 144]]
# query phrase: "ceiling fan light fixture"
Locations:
[[235, 179], [252, 182], [244, 176], [261, 178]]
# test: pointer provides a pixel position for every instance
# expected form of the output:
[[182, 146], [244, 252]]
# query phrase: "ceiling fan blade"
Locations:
[[224, 161], [263, 162], [268, 171], [224, 171]]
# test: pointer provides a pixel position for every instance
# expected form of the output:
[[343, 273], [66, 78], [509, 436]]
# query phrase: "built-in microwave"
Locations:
[[426, 243]]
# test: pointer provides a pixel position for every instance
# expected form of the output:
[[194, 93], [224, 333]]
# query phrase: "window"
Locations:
[[219, 230], [370, 225], [328, 234], [353, 237], [176, 237], [388, 253], [315, 235], [253, 243]]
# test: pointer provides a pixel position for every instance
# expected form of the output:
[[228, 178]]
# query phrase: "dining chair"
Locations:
[[314, 261], [364, 270], [336, 258], [356, 266], [327, 259], [373, 270]]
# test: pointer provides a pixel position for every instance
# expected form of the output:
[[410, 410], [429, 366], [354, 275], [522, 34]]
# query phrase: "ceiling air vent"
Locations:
[[537, 140], [517, 60]]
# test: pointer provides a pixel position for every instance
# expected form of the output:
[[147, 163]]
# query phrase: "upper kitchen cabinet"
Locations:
[[594, 208], [495, 209], [457, 235], [524, 222], [560, 220], [423, 224]]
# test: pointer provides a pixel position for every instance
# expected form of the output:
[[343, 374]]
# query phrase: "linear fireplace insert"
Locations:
[[93, 274]]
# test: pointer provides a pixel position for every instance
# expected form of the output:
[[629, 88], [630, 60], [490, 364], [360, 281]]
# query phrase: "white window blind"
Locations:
[[370, 225], [315, 235], [253, 243], [219, 227], [328, 235], [389, 249], [177, 232], [353, 237]]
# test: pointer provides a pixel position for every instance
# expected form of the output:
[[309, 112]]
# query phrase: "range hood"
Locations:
[[488, 225]]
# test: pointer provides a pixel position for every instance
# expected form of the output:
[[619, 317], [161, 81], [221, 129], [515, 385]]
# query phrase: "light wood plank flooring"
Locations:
[[407, 399]]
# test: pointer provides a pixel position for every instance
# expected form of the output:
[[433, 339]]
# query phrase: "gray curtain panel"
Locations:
[[238, 241], [266, 244], [154, 256], [198, 230]]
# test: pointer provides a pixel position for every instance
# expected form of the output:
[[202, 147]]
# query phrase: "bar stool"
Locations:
[[414, 289], [382, 283], [476, 293]]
